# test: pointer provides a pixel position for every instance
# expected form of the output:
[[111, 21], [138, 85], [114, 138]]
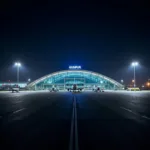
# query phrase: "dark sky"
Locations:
[[45, 37]]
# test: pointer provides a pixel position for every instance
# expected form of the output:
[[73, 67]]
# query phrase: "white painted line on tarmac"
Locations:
[[71, 130], [134, 113], [129, 110], [76, 126], [19, 110], [146, 117]]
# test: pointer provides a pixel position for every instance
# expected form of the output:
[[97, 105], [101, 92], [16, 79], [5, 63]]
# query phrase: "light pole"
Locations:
[[28, 81], [18, 65], [122, 81], [134, 64]]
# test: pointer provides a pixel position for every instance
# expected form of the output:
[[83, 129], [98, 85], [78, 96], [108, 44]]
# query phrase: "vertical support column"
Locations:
[[64, 83], [114, 86], [104, 86], [134, 77], [18, 74]]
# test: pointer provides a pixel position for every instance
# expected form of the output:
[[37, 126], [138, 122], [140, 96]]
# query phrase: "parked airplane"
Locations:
[[75, 88]]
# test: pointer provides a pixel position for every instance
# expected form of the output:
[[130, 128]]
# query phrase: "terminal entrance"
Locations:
[[69, 82]]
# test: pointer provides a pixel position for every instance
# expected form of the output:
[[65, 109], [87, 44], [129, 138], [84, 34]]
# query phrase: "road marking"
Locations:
[[146, 117], [76, 126], [135, 113], [18, 110], [71, 130], [128, 110], [74, 129]]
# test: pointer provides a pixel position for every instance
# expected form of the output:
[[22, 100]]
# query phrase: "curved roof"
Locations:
[[73, 71]]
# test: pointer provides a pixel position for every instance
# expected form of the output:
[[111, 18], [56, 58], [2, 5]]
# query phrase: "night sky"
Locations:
[[104, 37]]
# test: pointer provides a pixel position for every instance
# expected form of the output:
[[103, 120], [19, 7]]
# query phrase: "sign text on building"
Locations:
[[74, 67]]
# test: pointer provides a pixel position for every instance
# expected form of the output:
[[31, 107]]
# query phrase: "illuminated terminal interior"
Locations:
[[67, 78]]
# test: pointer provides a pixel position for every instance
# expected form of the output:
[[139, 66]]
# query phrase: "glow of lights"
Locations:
[[133, 81], [18, 64], [29, 80], [74, 67], [101, 81], [135, 63], [121, 81]]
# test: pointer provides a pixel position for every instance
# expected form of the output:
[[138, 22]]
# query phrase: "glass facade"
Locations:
[[22, 85], [65, 79]]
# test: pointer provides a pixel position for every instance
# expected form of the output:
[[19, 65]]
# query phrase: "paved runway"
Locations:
[[67, 121]]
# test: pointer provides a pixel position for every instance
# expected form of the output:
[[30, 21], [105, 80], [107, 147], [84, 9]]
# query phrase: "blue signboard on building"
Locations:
[[74, 67]]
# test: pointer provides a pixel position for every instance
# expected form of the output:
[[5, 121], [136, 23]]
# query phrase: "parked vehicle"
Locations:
[[133, 89], [15, 88]]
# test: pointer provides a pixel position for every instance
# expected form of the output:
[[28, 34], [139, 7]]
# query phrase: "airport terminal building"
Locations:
[[67, 78]]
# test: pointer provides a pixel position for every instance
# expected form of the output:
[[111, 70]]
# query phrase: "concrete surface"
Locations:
[[87, 120]]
